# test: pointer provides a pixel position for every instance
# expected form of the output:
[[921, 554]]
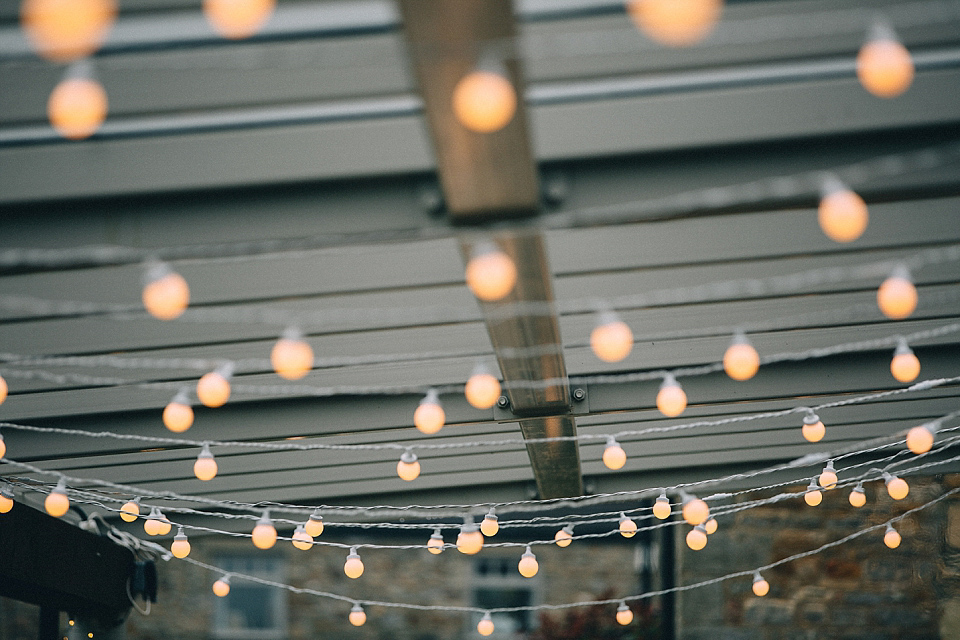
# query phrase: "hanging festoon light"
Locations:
[[904, 366], [920, 438], [858, 496], [485, 626], [676, 23], [166, 294], [491, 274], [484, 100], [813, 429], [6, 499], [760, 586], [64, 30], [661, 506], [237, 19], [314, 524], [353, 567], [697, 537], [181, 546], [671, 399], [627, 527], [528, 566], [711, 526], [178, 414], [357, 615], [695, 511], [4, 389], [741, 361], [205, 467], [891, 537], [470, 539], [896, 487], [77, 106], [435, 543], [614, 456], [3, 446], [291, 356], [564, 536], [301, 539], [884, 66], [429, 416], [828, 477], [408, 468], [813, 496], [213, 388], [222, 587], [897, 296], [624, 614], [482, 389], [57, 503], [490, 525], [130, 510], [611, 339], [842, 213], [156, 523], [264, 533]]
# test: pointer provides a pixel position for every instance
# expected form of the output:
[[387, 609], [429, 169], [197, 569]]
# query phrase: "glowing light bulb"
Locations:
[[661, 507], [353, 567], [528, 566], [435, 543], [858, 497], [741, 361], [896, 487], [205, 468], [180, 547], [291, 356], [130, 510], [57, 503], [357, 616], [490, 524], [409, 467], [484, 101], [469, 540], [760, 586], [897, 297], [676, 23], [842, 214], [891, 538], [711, 526], [695, 510], [697, 538], [491, 273], [314, 525], [264, 534], [920, 439], [614, 456], [213, 388], [178, 414], [564, 536], [624, 614], [3, 447], [671, 400], [156, 524], [222, 587], [884, 66], [237, 19], [4, 389], [301, 539], [77, 107], [6, 500], [429, 416], [905, 366], [166, 294], [628, 528], [813, 429], [828, 478], [612, 339], [64, 30], [483, 389], [813, 496], [485, 626]]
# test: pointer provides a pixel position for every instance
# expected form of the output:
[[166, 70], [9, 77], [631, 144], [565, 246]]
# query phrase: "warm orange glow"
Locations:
[[741, 361], [904, 366], [676, 23], [920, 439], [57, 504], [178, 416], [205, 468], [166, 297], [662, 508], [470, 540], [711, 526], [843, 215], [491, 274], [857, 497], [264, 534], [891, 538], [429, 416], [484, 101], [482, 390], [813, 429], [291, 359], [628, 528], [490, 525], [897, 297], [3, 447], [129, 511], [181, 546], [314, 526], [671, 400], [612, 340], [77, 107], [3, 394], [884, 68], [828, 478], [64, 30], [528, 566], [221, 587], [760, 586], [353, 567], [6, 501], [697, 538], [695, 511], [624, 615], [301, 539], [435, 543], [897, 488], [614, 456], [213, 389], [485, 626], [563, 537], [408, 468], [357, 616], [238, 18], [813, 495], [156, 524]]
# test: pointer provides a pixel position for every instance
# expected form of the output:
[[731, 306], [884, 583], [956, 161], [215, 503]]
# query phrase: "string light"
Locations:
[[528, 566], [166, 294], [237, 19], [490, 524], [357, 615], [813, 496], [671, 400], [314, 525], [697, 537], [429, 416], [741, 361], [222, 587], [813, 429], [614, 456], [661, 507], [627, 527], [353, 567], [842, 213], [130, 511], [884, 66], [181, 546], [564, 536], [264, 533], [78, 104], [3, 447], [301, 539], [896, 487], [213, 388], [156, 524], [491, 274], [676, 23], [695, 511], [828, 478], [482, 389], [3, 394], [624, 614], [897, 297], [890, 537], [905, 366], [760, 586], [485, 626], [409, 467], [435, 543], [64, 30], [6, 499], [56, 503], [178, 414], [469, 540], [858, 497], [711, 526], [611, 340], [205, 468], [291, 356], [920, 438], [484, 101]]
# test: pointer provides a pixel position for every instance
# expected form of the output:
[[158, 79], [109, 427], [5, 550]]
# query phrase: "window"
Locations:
[[496, 584], [252, 610]]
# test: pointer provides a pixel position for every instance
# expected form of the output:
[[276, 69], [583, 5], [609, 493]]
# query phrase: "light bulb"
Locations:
[[469, 540], [64, 30], [222, 586], [671, 400], [178, 415], [884, 67], [711, 526], [676, 23], [205, 468], [813, 496], [760, 586], [180, 547], [482, 390], [409, 467], [156, 524], [163, 525], [624, 614], [828, 478], [314, 525], [920, 439], [213, 389], [528, 566], [842, 214], [897, 297], [238, 19], [614, 456], [813, 429], [291, 356], [357, 616], [77, 107], [628, 528], [661, 507], [741, 361], [264, 534], [905, 366], [564, 536], [697, 538], [485, 626], [896, 487], [301, 539], [612, 339], [57, 503], [858, 497], [3, 447], [166, 294], [6, 500], [490, 524], [484, 101], [891, 538], [4, 389], [491, 273], [429, 416], [435, 543], [353, 567], [695, 510], [130, 510]]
